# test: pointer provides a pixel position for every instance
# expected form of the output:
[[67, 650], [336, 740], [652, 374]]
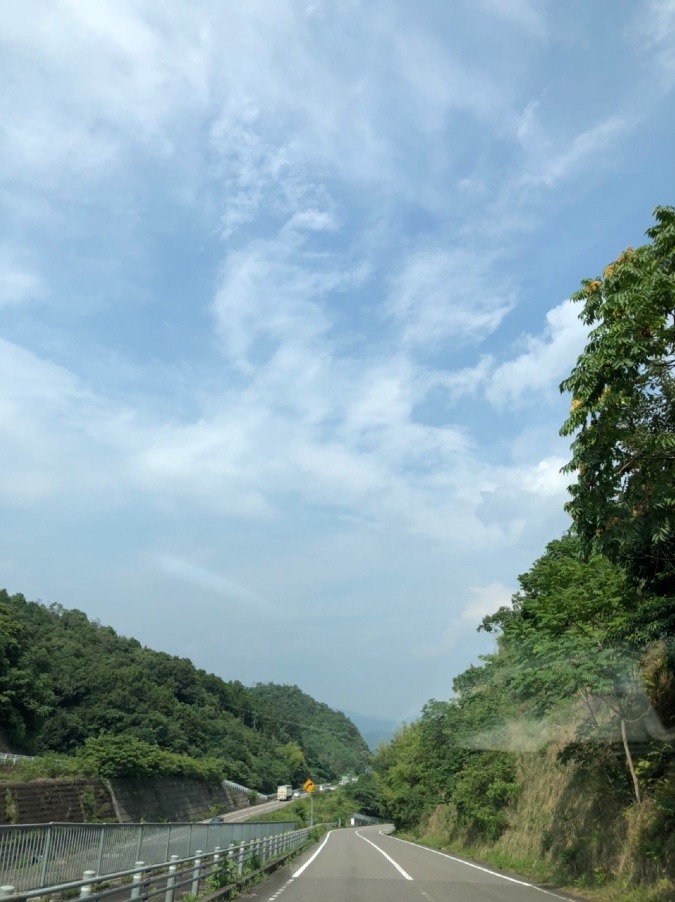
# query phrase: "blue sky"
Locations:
[[283, 292]]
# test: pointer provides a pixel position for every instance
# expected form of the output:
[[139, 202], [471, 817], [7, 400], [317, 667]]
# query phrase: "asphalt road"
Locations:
[[366, 865], [243, 814]]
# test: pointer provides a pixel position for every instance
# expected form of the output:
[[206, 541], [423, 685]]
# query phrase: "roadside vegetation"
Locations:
[[555, 756]]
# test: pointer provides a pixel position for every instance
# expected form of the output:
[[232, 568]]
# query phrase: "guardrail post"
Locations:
[[197, 873], [216, 855], [240, 859], [45, 856], [99, 865], [140, 843], [6, 891], [171, 879], [86, 890], [136, 881]]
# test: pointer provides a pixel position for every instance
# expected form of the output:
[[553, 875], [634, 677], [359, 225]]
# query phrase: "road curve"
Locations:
[[367, 865]]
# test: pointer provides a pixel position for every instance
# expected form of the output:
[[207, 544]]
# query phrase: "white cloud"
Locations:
[[216, 582], [465, 382], [51, 425], [17, 283], [585, 149], [486, 600], [656, 27], [545, 478], [266, 299], [545, 362], [483, 600], [525, 14], [447, 296], [529, 130]]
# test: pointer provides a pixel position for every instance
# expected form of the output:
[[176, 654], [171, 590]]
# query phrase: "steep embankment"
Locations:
[[574, 824], [127, 801]]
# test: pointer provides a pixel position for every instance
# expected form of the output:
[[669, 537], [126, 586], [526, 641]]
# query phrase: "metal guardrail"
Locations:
[[148, 881], [245, 789], [363, 820], [44, 854], [10, 758]]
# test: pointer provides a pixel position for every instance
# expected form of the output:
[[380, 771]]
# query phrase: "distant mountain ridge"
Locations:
[[374, 730]]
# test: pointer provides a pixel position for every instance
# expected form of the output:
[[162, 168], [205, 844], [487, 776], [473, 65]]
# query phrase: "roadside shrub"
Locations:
[[109, 755], [483, 792]]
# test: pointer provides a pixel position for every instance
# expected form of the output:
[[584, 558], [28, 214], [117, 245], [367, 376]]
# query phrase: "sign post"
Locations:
[[308, 786]]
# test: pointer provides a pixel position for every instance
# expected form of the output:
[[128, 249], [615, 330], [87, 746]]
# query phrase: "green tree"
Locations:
[[365, 794], [622, 415], [563, 637], [25, 696]]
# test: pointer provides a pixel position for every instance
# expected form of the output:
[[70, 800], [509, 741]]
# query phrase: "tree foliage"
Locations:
[[622, 414], [564, 632], [331, 743]]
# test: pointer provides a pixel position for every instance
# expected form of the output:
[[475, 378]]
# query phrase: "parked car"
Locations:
[[217, 820]]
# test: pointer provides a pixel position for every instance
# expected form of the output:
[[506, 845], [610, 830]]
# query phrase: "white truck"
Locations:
[[284, 793]]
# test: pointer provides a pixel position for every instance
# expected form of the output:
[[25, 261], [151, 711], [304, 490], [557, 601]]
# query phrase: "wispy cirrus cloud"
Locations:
[[442, 296], [18, 282], [583, 151], [656, 29], [208, 579]]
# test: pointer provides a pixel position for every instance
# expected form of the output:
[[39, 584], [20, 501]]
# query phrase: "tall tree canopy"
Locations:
[[622, 414]]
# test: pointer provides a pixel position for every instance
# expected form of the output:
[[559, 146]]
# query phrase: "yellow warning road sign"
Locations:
[[308, 786]]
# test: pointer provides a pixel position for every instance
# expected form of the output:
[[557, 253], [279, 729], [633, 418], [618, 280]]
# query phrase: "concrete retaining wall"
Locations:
[[41, 801], [171, 799], [127, 801]]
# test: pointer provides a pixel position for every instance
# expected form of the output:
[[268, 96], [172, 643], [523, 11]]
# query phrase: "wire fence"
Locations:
[[167, 879], [40, 855]]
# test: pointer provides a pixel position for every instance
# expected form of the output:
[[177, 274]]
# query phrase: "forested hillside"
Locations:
[[557, 753], [331, 742], [65, 680]]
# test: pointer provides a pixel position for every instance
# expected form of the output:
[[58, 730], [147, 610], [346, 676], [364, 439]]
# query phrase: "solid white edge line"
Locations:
[[388, 857], [476, 866], [310, 860]]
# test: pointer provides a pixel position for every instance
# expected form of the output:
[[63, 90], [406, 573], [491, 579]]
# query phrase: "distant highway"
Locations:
[[243, 814], [366, 865]]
